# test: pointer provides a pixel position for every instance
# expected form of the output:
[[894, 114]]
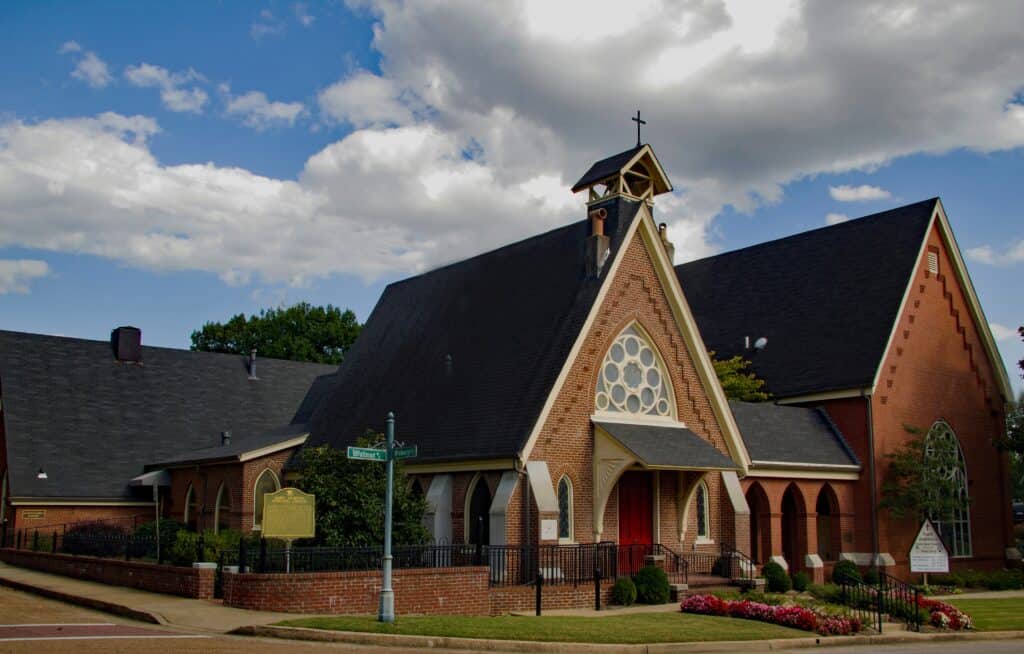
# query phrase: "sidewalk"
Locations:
[[201, 616]]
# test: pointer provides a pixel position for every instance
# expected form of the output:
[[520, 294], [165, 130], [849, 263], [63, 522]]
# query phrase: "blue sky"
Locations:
[[166, 164]]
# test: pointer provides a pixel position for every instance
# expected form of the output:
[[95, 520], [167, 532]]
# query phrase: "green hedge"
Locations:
[[776, 579], [846, 572], [624, 592], [651, 585]]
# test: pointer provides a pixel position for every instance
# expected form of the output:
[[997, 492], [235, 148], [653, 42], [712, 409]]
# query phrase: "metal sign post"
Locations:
[[389, 454]]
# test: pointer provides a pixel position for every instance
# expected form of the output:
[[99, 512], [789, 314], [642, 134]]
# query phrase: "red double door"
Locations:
[[636, 520]]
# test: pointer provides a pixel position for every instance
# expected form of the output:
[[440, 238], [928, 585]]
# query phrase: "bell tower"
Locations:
[[634, 174]]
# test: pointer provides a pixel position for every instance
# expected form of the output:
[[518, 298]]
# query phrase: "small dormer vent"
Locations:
[[933, 262]]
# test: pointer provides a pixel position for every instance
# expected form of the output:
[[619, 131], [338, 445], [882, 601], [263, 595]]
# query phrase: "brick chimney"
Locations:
[[127, 344], [597, 243], [669, 248]]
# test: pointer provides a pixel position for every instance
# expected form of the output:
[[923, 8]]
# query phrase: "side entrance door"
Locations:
[[636, 521]]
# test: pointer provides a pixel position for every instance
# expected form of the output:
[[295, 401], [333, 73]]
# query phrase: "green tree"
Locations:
[[350, 499], [300, 332], [1013, 443], [914, 486], [737, 382]]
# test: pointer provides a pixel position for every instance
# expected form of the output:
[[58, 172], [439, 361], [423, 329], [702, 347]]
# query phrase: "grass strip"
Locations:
[[623, 629]]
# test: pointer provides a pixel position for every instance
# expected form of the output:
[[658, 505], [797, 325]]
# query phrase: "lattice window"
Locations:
[[944, 460], [703, 514], [632, 378], [564, 509]]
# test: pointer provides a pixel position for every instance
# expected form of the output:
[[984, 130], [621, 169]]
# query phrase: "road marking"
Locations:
[[60, 624], [9, 640]]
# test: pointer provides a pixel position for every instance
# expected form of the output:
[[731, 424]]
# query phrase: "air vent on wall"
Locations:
[[933, 262]]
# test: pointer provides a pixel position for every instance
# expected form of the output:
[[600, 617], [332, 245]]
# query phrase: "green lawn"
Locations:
[[993, 614], [632, 628]]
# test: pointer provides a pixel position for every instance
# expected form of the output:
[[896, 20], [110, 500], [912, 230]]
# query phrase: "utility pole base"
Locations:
[[387, 606]]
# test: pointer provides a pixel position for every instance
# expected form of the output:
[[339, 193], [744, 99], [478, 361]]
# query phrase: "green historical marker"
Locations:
[[367, 454]]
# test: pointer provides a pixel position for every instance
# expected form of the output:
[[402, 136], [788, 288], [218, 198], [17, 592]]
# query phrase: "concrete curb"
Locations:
[[87, 602], [480, 644]]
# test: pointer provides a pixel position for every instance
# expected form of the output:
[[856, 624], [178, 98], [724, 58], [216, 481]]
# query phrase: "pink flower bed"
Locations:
[[793, 616]]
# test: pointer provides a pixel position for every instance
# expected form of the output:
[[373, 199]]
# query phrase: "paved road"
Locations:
[[33, 624]]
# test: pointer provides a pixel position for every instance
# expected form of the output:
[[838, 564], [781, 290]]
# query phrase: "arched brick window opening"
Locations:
[[266, 483], [794, 517], [191, 509], [478, 514], [944, 461], [222, 510], [760, 524], [827, 508], [633, 378], [702, 511]]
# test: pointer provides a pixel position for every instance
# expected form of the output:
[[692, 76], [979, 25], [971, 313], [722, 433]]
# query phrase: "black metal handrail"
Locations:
[[902, 601]]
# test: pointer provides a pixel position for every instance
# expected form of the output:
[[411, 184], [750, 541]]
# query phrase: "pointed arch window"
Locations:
[[266, 483], [3, 498], [191, 509], [945, 465], [565, 522], [703, 512], [632, 379], [222, 510]]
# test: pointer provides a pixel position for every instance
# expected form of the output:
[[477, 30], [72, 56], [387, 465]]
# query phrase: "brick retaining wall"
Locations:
[[173, 580], [434, 591]]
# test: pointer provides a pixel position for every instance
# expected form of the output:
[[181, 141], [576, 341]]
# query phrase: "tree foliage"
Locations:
[[1013, 443], [737, 382], [301, 332], [350, 499], [913, 488]]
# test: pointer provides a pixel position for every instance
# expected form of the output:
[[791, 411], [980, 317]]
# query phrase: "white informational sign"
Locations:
[[929, 553], [548, 529]]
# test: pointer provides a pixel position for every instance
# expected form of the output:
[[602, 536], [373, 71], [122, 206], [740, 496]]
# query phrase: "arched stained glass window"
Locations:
[[565, 509], [632, 378], [703, 521], [946, 466], [222, 510], [191, 509], [267, 483]]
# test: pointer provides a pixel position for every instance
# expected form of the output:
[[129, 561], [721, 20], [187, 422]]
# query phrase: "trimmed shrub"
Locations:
[[846, 572], [871, 577], [651, 585], [829, 593], [800, 581], [144, 539], [624, 592], [776, 579], [185, 549]]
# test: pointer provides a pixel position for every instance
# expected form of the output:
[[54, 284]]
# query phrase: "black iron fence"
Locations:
[[890, 597]]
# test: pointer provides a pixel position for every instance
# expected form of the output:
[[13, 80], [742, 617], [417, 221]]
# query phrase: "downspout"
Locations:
[[874, 485]]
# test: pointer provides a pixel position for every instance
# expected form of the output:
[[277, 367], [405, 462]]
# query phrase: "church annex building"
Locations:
[[560, 391]]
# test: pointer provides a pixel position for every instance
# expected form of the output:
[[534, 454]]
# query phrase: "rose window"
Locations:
[[632, 379]]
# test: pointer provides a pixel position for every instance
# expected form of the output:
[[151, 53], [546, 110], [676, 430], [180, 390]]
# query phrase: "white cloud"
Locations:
[[302, 14], [836, 218], [861, 193], [258, 112], [172, 92], [1002, 332], [89, 68], [17, 274], [1013, 254], [266, 24], [364, 99]]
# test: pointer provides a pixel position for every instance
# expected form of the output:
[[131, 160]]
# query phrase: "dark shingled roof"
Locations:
[[239, 445], [92, 423], [507, 319], [789, 434], [826, 299], [668, 446], [605, 168]]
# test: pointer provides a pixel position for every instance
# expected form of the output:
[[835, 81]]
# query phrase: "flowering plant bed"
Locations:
[[945, 616], [790, 615]]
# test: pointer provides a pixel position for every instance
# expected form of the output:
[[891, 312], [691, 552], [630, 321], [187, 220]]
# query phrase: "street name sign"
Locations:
[[367, 454], [407, 452], [929, 553]]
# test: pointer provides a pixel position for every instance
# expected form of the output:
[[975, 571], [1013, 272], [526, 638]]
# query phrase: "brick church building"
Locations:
[[560, 391]]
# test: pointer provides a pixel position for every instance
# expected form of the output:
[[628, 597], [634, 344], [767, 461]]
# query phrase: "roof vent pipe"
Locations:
[[252, 364], [225, 438], [127, 344], [598, 244], [597, 217]]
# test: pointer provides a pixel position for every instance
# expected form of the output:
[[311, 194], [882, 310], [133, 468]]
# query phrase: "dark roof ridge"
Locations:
[[160, 347], [838, 226], [508, 247]]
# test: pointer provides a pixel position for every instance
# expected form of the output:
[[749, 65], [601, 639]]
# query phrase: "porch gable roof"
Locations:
[[657, 446]]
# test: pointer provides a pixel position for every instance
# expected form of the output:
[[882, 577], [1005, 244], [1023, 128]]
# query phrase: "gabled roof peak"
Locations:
[[635, 173]]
